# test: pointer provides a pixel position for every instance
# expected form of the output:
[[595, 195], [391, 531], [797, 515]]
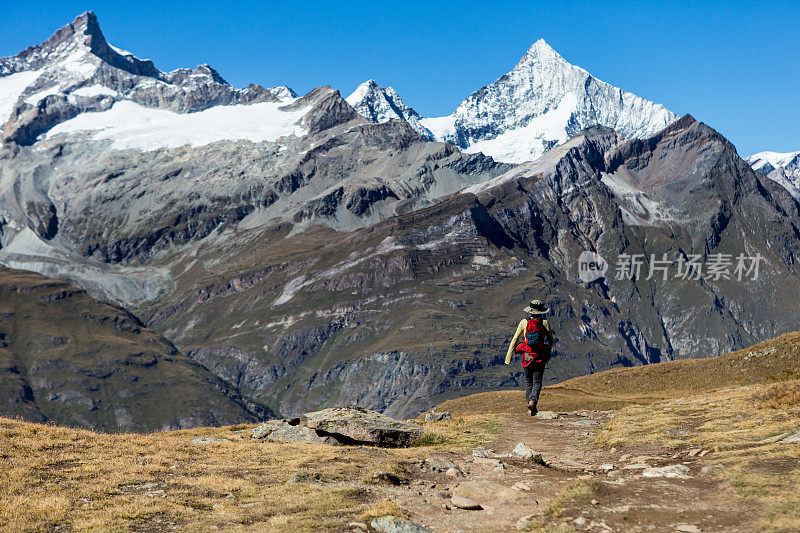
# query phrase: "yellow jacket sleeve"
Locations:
[[517, 334]]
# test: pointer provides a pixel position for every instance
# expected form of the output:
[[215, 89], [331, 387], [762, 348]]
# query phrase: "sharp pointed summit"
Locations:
[[543, 101], [381, 104]]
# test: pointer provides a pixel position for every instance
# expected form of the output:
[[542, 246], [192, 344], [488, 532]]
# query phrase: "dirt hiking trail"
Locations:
[[581, 486]]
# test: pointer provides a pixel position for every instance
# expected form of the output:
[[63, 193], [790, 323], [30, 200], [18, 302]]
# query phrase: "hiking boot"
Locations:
[[532, 408]]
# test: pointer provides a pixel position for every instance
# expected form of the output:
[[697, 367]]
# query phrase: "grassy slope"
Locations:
[[76, 478], [767, 362]]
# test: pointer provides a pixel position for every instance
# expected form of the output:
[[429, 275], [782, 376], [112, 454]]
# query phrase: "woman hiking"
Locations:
[[536, 344]]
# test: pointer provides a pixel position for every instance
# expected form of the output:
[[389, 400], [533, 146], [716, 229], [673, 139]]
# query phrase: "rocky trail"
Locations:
[[580, 486]]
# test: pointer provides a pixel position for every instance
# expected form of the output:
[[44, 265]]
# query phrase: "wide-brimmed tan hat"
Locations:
[[536, 308]]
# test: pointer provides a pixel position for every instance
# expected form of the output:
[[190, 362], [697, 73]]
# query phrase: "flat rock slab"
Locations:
[[547, 415], [358, 425], [395, 524], [488, 493], [263, 431]]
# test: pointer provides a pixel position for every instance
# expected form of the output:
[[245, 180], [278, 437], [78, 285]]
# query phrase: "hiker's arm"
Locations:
[[520, 331]]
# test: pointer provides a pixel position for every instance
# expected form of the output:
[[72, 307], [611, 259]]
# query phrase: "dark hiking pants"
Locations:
[[533, 381]]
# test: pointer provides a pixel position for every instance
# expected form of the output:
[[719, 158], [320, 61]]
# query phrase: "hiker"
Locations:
[[535, 351]]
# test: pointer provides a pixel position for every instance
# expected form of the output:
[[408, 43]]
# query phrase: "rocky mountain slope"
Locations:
[[782, 168], [72, 360], [541, 102], [420, 307]]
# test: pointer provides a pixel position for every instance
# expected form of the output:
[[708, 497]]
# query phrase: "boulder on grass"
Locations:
[[263, 431], [437, 417], [353, 425]]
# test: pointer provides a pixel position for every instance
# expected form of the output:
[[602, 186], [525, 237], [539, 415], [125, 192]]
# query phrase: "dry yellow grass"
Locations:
[[59, 477], [741, 427]]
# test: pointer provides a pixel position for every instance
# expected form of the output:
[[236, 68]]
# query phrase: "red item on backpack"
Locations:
[[533, 349]]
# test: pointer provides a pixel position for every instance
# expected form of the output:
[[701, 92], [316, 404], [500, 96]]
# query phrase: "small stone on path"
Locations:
[[465, 503], [395, 524], [688, 528], [711, 468], [454, 472], [671, 471], [792, 439], [439, 464], [481, 452], [522, 451], [547, 415]]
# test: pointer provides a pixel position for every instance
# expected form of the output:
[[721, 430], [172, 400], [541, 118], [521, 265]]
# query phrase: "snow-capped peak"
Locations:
[[774, 159], [783, 168], [540, 49], [544, 101], [76, 70], [381, 104], [282, 92]]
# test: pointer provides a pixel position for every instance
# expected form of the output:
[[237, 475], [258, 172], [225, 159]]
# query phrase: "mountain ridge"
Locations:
[[543, 101]]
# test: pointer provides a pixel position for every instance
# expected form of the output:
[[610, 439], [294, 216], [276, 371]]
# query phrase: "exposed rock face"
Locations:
[[340, 425], [426, 301], [145, 171], [69, 359]]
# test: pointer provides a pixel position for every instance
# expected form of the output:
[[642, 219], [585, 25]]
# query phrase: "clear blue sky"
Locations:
[[734, 65]]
